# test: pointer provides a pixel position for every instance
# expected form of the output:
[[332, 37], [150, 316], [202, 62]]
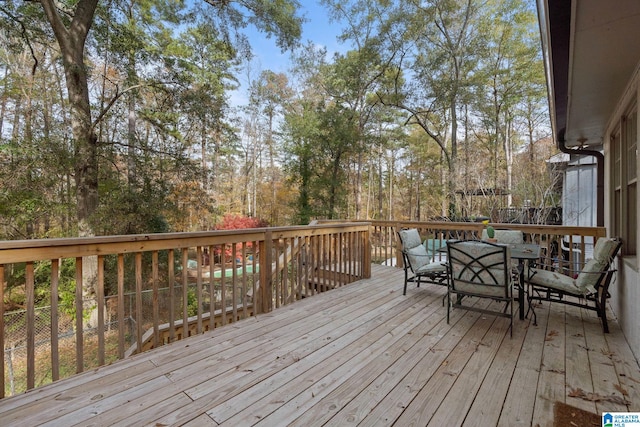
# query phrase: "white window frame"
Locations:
[[624, 178]]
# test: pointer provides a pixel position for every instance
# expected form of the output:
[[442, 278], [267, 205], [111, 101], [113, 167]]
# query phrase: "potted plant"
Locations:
[[491, 232]]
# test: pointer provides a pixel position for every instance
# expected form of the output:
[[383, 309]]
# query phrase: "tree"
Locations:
[[510, 74], [270, 94], [71, 34], [435, 44], [70, 23], [354, 78]]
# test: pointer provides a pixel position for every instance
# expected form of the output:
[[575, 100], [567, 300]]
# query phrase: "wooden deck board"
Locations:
[[421, 409], [490, 399], [353, 373], [435, 355], [454, 408], [602, 368], [551, 381], [330, 364], [358, 396], [363, 354], [519, 402], [625, 365], [578, 372]]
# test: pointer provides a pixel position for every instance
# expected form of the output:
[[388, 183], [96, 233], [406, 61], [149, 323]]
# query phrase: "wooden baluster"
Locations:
[[212, 291], [155, 303], [172, 294], [199, 289], [30, 297], [55, 358], [223, 285], [100, 300], [244, 280], [121, 335], [185, 293], [234, 282], [79, 318], [139, 315]]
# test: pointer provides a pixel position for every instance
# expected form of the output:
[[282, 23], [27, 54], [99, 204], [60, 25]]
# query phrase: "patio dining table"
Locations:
[[525, 253]]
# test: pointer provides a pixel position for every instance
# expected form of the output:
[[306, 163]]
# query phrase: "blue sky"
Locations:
[[318, 29], [268, 56]]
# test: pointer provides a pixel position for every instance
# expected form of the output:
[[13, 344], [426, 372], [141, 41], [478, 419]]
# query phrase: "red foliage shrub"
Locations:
[[239, 222], [236, 222]]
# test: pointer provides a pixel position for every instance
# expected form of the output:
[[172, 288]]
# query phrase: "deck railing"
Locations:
[[564, 247], [148, 290]]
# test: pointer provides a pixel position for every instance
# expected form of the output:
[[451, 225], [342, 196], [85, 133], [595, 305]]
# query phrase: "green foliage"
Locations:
[[16, 279], [370, 126], [277, 17], [160, 76], [192, 302], [127, 211], [319, 156]]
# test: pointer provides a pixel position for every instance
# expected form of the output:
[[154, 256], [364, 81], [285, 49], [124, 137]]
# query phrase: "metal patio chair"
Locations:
[[588, 289], [483, 270], [419, 264]]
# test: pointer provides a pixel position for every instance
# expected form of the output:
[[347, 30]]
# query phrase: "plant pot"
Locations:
[[492, 240]]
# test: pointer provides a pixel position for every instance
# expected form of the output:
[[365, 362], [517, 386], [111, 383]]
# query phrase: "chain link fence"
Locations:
[[15, 351]]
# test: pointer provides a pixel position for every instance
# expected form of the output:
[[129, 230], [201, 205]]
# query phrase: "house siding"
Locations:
[[625, 291]]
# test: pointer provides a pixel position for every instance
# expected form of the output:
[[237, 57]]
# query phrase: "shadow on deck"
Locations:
[[360, 354]]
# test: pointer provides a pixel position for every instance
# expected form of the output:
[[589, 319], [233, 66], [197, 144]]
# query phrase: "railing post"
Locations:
[[266, 273], [366, 254], [398, 252], [4, 354]]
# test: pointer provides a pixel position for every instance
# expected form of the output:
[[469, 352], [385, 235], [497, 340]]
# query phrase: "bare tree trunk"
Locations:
[[359, 185], [392, 167], [203, 154], [72, 41], [508, 153], [3, 104], [380, 195], [28, 139], [453, 167], [132, 141]]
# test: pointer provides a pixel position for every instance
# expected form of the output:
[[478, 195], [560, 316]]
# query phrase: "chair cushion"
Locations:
[[474, 249], [555, 280], [604, 249], [509, 236], [418, 257], [589, 276], [410, 238], [495, 277], [432, 267], [489, 291]]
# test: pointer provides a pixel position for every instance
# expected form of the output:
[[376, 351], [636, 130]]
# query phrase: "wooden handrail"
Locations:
[[297, 262], [565, 245]]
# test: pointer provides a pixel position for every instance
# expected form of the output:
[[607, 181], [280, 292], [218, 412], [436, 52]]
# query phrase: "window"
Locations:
[[624, 179]]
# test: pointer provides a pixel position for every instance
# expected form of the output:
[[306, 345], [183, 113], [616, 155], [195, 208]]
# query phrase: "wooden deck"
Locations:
[[361, 354]]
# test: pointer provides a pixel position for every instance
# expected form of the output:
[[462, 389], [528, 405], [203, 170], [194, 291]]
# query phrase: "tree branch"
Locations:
[[25, 36]]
